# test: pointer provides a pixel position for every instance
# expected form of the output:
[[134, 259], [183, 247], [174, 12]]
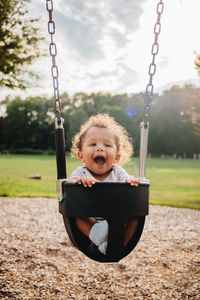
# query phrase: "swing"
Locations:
[[114, 202]]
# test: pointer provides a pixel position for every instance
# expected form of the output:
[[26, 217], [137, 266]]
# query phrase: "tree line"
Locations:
[[27, 126]]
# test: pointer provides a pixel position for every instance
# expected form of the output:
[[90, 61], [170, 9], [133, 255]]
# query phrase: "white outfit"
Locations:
[[99, 231], [118, 174]]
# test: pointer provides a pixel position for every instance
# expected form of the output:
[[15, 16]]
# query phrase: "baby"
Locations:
[[100, 145]]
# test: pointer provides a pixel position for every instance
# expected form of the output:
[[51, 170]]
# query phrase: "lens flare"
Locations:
[[131, 111]]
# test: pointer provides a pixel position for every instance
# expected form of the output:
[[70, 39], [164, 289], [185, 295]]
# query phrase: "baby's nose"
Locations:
[[100, 147]]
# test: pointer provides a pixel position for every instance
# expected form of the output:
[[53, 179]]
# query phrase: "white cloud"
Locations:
[[84, 25], [106, 45]]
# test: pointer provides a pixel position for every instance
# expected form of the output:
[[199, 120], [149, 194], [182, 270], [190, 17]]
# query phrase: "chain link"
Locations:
[[54, 68], [152, 66]]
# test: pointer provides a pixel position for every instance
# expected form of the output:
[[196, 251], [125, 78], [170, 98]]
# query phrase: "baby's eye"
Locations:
[[108, 145], [93, 144]]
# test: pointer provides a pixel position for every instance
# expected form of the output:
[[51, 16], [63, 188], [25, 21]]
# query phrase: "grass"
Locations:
[[173, 182]]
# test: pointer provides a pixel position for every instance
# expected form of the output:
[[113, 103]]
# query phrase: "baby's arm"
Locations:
[[85, 180]]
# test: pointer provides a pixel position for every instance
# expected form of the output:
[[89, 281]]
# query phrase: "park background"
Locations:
[[103, 58]]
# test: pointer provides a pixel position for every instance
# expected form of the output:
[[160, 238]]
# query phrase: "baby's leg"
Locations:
[[131, 227], [97, 232], [85, 224]]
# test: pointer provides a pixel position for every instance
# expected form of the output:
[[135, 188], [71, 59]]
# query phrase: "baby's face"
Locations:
[[99, 151]]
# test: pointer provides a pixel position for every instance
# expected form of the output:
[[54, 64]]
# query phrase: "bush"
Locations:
[[26, 151]]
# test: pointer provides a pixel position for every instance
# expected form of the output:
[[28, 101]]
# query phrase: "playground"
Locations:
[[37, 261]]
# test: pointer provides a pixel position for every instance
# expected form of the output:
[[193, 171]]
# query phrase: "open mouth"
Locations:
[[100, 160]]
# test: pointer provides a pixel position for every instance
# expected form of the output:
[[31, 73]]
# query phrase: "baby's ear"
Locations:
[[117, 158], [80, 157]]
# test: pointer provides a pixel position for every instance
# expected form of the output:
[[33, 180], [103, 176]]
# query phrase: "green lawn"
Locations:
[[173, 182]]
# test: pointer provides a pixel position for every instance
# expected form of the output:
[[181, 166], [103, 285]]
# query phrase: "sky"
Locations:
[[105, 45]]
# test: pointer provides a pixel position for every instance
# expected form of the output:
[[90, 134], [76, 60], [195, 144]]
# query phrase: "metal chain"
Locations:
[[152, 66], [54, 68]]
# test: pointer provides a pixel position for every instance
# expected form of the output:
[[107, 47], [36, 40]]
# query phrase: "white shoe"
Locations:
[[103, 247]]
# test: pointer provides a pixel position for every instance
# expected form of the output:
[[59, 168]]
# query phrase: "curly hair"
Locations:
[[123, 141]]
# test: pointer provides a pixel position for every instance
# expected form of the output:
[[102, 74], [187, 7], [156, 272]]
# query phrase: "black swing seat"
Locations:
[[113, 201]]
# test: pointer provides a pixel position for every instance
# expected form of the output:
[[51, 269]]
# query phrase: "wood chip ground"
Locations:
[[36, 261]]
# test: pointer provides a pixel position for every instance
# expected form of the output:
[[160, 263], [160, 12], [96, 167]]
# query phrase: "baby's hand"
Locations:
[[86, 181], [133, 181]]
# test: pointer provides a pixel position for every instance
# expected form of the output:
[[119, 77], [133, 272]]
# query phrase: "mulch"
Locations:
[[37, 262]]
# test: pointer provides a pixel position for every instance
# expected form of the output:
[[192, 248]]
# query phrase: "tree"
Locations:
[[197, 63], [191, 95], [195, 107], [172, 129], [29, 124], [19, 39]]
